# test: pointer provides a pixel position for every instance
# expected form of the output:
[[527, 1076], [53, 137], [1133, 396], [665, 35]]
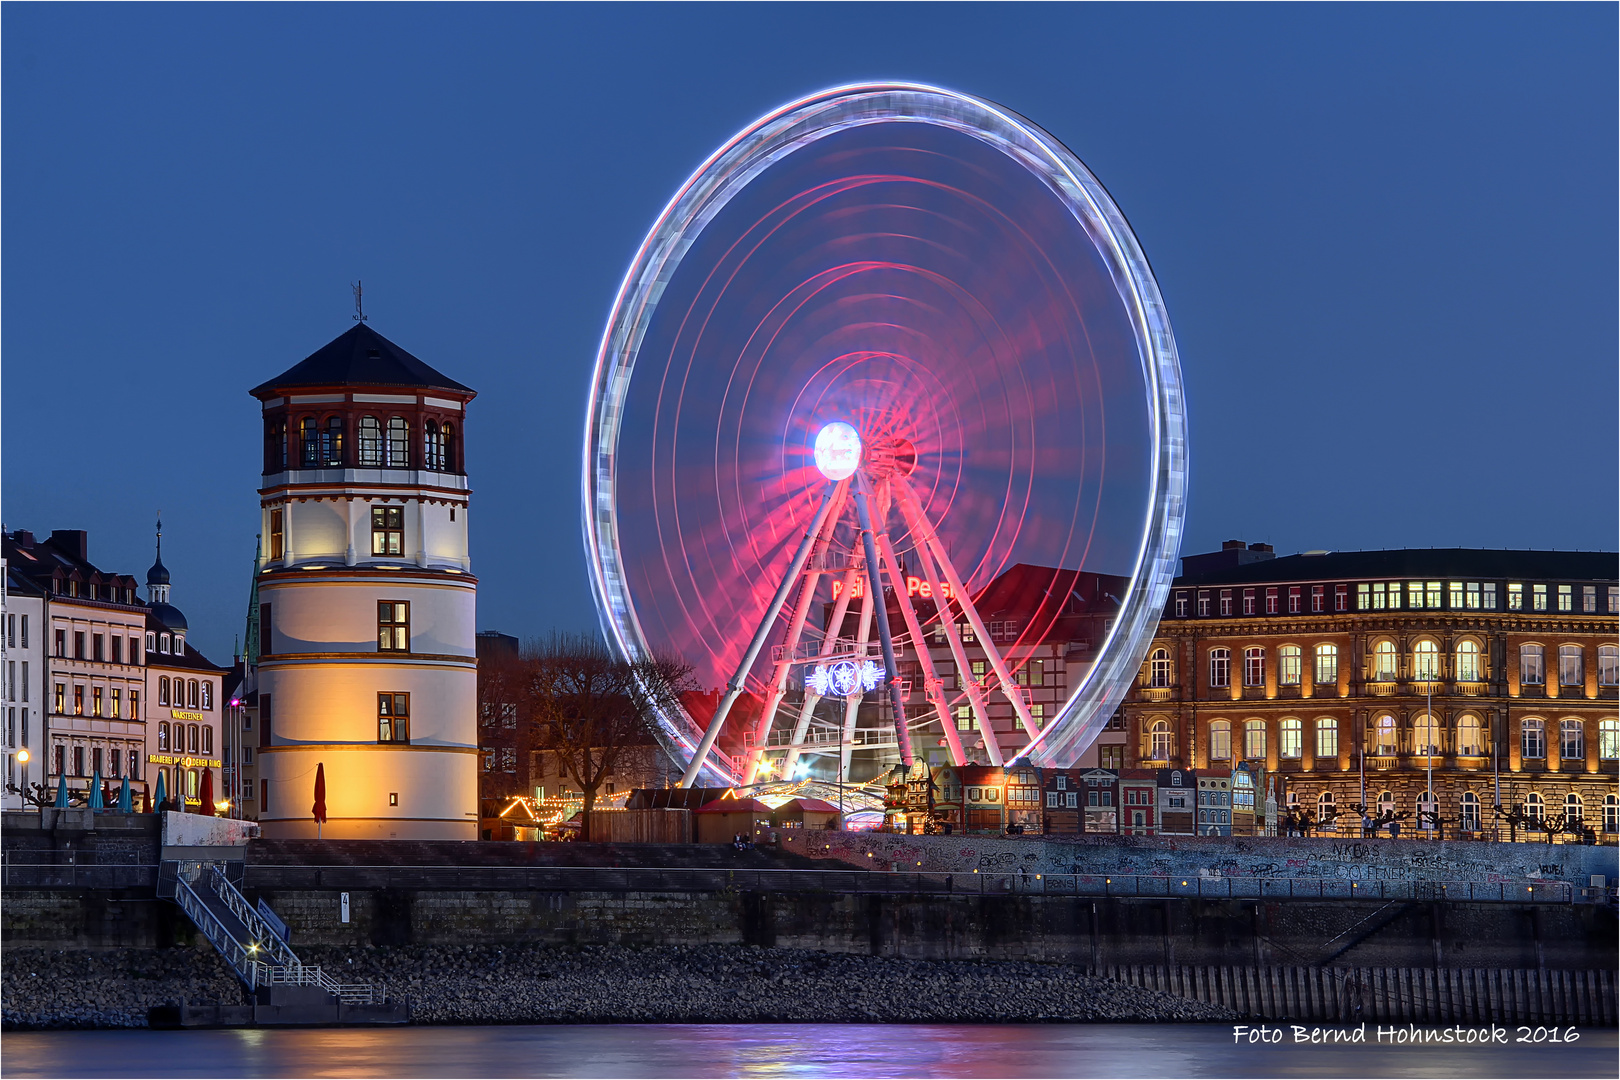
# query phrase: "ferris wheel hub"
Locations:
[[838, 450]]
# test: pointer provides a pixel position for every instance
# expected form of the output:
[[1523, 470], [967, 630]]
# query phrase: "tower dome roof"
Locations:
[[169, 616], [159, 574], [360, 357]]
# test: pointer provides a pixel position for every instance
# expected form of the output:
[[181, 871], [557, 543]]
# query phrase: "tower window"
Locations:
[[432, 447], [371, 442], [399, 443], [393, 626], [278, 541], [387, 530], [447, 440], [275, 445], [332, 441], [393, 718], [309, 439]]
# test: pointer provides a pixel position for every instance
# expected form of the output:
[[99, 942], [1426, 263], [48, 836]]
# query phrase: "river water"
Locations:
[[779, 1050]]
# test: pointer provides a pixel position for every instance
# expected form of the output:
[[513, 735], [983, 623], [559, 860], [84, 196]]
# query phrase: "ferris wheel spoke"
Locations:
[[738, 681], [829, 646], [947, 622], [874, 588], [998, 664], [852, 702]]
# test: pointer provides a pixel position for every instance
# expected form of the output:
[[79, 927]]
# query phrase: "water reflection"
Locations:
[[769, 1050]]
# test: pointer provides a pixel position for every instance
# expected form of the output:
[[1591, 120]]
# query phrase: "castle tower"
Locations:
[[367, 660]]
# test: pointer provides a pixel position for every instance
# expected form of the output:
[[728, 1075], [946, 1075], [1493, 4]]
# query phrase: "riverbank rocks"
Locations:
[[528, 984]]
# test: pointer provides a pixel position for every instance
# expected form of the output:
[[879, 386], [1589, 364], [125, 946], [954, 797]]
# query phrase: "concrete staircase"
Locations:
[[285, 990]]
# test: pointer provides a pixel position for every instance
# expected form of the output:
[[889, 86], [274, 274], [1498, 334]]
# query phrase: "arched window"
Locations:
[[1385, 742], [1159, 668], [309, 438], [1571, 665], [1254, 666], [371, 442], [1427, 807], [1384, 662], [1468, 669], [1254, 740], [1533, 739], [208, 695], [332, 441], [1327, 738], [1611, 813], [163, 737], [1160, 739], [191, 784], [1573, 810], [1220, 667], [1291, 738], [275, 444], [192, 740], [191, 694], [1609, 739], [1220, 740], [1532, 671], [1426, 660], [163, 689], [432, 447], [207, 739], [1327, 665], [1470, 812], [1289, 665], [1470, 736], [1609, 665], [1533, 806], [399, 443], [1425, 735], [1326, 810], [1386, 803], [447, 439], [1571, 739]]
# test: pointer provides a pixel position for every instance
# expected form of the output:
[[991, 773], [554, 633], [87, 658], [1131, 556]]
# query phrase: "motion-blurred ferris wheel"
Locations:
[[886, 440]]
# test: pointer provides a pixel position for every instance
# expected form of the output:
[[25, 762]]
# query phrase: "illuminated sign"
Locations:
[[183, 762], [176, 714], [844, 678], [914, 587]]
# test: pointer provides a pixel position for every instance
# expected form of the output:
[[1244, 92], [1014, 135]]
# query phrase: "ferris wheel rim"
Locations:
[[727, 172]]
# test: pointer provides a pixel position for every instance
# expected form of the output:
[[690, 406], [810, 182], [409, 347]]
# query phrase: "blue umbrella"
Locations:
[[125, 798], [61, 791], [95, 792], [157, 800]]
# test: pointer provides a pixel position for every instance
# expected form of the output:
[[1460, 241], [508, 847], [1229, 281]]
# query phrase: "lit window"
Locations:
[[1532, 672], [1363, 597], [1326, 810], [1533, 739], [1385, 743], [1470, 812], [447, 453], [1386, 802], [1515, 596], [1538, 597], [387, 530], [1468, 661], [965, 720], [1254, 739], [1470, 736], [393, 626], [1608, 665], [1611, 813], [399, 444], [1426, 660], [1384, 662], [1456, 590], [1160, 667], [1160, 740], [1571, 665], [1428, 808], [393, 718], [1431, 593], [309, 438], [1327, 665], [1470, 597], [1220, 741], [1614, 599], [1220, 668], [332, 441], [1571, 739], [1533, 806], [1289, 665], [1327, 737], [1573, 811], [1425, 735], [1566, 598], [371, 442], [1291, 738], [1254, 666]]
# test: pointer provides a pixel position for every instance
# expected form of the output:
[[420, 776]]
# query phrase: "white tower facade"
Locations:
[[367, 603]]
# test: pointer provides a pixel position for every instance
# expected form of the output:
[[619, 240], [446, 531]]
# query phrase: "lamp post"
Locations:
[[22, 759]]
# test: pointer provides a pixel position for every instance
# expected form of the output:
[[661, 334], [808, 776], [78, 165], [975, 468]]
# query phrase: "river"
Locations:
[[778, 1050]]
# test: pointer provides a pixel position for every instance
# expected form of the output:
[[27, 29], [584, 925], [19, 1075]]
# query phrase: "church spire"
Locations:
[[157, 578]]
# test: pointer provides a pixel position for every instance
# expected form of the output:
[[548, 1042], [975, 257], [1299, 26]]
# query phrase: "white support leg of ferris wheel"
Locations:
[[932, 687], [947, 622], [735, 687], [874, 584], [998, 665], [790, 641], [829, 646], [852, 702]]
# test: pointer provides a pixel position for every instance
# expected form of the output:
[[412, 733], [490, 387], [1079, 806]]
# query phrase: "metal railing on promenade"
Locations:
[[719, 879], [79, 875]]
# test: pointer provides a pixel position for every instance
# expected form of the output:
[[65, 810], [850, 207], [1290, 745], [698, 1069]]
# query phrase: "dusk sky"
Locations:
[[1385, 235]]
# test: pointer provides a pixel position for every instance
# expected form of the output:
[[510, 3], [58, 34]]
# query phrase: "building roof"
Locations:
[[64, 556], [1433, 563], [360, 357], [191, 660], [809, 806], [733, 806]]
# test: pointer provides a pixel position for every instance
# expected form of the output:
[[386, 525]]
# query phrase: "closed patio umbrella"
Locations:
[[319, 809], [207, 807], [96, 802], [125, 798], [162, 795], [146, 800], [61, 791]]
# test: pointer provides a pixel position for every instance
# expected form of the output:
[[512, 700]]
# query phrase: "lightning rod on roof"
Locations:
[[359, 309]]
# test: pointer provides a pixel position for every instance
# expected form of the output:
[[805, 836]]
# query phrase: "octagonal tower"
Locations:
[[367, 601]]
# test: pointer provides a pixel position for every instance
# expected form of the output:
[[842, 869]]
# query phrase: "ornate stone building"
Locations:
[[1352, 677]]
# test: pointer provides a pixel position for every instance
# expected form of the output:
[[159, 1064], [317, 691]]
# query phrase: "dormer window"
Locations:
[[179, 644], [163, 643]]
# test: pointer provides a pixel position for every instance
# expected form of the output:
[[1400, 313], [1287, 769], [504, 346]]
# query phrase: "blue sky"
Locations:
[[1386, 236]]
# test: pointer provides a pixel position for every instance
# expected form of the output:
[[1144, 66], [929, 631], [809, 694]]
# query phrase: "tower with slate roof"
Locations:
[[367, 662]]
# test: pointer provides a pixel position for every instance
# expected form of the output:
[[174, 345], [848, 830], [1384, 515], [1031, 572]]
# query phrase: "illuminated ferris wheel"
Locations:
[[889, 366]]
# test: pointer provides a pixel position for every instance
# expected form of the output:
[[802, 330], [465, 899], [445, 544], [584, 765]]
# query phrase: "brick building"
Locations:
[[1348, 677]]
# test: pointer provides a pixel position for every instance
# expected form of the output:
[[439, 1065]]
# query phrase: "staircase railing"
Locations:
[[266, 939], [234, 952]]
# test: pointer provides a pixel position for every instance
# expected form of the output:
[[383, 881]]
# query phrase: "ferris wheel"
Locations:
[[886, 441]]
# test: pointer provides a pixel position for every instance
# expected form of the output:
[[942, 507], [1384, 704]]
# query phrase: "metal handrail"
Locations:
[[247, 969], [268, 939]]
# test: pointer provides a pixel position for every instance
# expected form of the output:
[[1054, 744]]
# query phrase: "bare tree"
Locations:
[[590, 708]]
